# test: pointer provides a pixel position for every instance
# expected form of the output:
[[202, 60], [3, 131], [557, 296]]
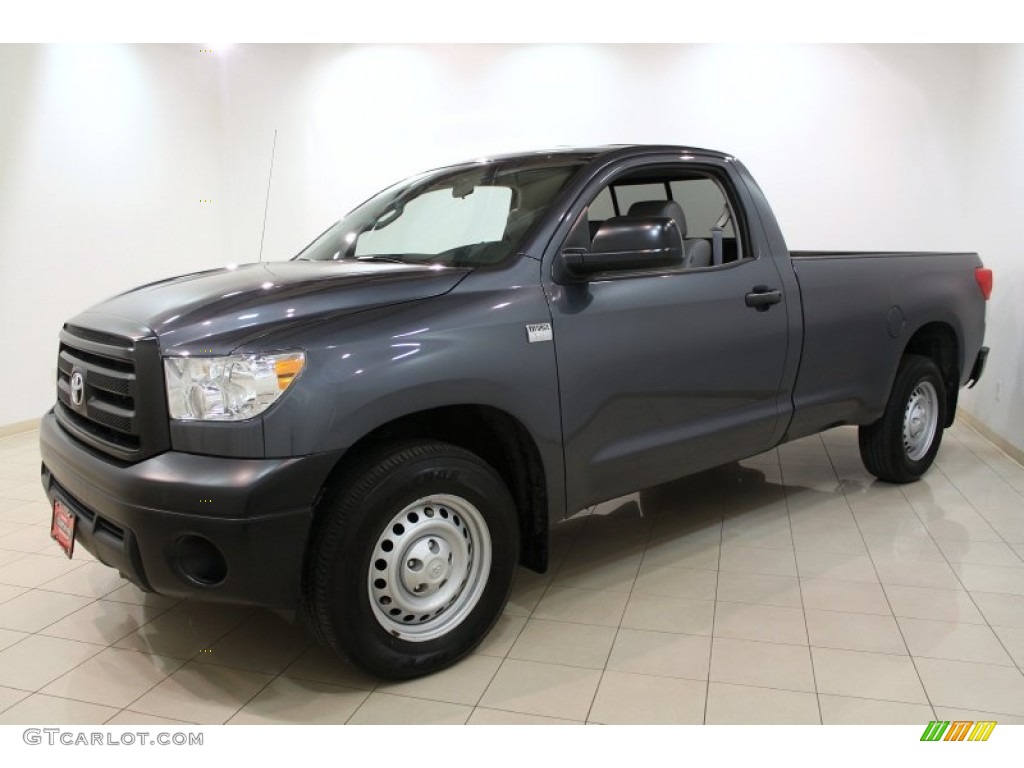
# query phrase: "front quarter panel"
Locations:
[[469, 346]]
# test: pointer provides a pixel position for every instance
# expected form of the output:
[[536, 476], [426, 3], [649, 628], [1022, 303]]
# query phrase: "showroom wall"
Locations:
[[107, 152], [995, 214], [105, 155], [856, 146]]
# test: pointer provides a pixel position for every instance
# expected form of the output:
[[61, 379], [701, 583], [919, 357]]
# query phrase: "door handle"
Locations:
[[761, 297]]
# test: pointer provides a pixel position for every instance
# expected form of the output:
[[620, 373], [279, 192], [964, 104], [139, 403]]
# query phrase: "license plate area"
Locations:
[[62, 527]]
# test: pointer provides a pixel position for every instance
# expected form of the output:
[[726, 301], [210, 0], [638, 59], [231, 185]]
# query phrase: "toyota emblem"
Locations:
[[77, 387]]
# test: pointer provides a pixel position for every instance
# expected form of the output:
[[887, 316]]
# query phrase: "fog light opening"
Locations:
[[199, 561]]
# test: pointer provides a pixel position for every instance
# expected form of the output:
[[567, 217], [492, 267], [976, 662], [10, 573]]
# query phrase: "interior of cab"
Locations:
[[696, 202]]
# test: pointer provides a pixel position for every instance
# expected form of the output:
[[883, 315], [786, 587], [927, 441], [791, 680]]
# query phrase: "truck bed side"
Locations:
[[861, 312]]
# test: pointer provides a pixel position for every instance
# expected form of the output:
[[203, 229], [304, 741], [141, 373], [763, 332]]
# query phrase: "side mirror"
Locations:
[[627, 243]]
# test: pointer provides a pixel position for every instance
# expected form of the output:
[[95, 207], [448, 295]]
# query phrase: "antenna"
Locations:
[[266, 205]]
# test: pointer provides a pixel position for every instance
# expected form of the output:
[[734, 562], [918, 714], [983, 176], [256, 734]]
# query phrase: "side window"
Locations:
[[704, 204], [628, 194], [602, 208], [713, 236]]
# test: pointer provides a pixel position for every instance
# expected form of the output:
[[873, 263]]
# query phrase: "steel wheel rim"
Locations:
[[920, 420], [429, 567]]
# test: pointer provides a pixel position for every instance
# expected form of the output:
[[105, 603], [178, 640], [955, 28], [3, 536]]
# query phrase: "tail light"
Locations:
[[984, 278]]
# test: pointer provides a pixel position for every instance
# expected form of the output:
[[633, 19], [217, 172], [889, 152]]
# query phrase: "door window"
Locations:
[[709, 213]]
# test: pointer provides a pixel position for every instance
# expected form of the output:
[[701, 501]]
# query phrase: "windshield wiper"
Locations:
[[388, 259]]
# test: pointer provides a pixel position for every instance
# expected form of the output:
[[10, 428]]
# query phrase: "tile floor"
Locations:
[[789, 588]]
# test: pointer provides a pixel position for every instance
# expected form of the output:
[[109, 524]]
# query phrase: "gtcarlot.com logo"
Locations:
[[72, 738], [958, 730]]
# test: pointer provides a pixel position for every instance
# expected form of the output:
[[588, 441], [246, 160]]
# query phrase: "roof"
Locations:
[[593, 152]]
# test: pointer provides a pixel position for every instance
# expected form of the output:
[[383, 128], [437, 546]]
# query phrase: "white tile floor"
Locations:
[[790, 588]]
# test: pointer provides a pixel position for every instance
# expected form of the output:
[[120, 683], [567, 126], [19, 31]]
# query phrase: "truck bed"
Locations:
[[870, 254], [859, 311]]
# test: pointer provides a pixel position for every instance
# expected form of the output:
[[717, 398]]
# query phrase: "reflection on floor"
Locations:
[[789, 588]]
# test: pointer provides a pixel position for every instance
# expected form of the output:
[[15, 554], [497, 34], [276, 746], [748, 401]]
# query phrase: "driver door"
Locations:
[[669, 372]]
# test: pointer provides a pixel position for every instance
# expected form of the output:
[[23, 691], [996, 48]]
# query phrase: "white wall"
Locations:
[[995, 219], [105, 154], [856, 147]]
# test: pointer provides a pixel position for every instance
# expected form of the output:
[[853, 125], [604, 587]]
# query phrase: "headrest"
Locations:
[[662, 209]]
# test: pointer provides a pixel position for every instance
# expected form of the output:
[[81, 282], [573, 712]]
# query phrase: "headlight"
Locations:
[[228, 388]]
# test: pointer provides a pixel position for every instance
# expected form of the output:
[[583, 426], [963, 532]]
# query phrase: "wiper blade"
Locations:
[[388, 259]]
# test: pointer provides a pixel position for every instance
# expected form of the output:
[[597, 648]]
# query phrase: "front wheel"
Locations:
[[901, 446], [412, 559]]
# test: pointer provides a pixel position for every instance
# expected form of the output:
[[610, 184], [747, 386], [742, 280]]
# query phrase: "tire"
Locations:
[[412, 559], [901, 446]]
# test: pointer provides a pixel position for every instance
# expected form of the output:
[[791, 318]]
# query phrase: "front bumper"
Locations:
[[232, 530]]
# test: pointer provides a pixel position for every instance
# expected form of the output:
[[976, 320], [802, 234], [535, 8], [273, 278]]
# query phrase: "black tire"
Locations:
[[886, 451], [356, 522]]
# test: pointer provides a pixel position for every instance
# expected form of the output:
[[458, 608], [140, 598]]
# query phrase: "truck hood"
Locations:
[[215, 312]]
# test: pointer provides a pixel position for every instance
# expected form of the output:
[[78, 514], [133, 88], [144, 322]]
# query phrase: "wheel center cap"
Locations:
[[426, 565], [437, 569], [916, 421]]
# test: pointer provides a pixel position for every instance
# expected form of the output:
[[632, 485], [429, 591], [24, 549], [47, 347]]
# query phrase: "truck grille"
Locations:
[[102, 395]]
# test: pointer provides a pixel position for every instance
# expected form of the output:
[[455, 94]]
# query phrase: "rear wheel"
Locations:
[[901, 446], [412, 559]]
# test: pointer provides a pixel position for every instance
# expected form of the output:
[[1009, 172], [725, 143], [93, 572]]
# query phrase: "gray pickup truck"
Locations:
[[375, 433]]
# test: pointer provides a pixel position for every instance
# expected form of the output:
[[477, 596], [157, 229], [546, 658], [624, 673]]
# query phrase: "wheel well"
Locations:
[[938, 341], [496, 437]]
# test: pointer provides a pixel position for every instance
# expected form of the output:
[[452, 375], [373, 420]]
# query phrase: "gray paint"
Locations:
[[647, 377], [850, 358]]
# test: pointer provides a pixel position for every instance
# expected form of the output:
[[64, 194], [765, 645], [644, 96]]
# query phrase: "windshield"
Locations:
[[464, 217]]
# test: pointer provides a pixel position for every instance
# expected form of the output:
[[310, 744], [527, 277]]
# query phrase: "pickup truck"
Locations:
[[377, 432]]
